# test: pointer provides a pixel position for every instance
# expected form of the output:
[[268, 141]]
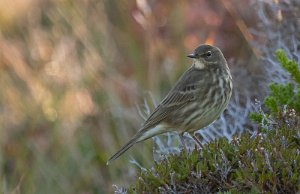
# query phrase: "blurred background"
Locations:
[[76, 77]]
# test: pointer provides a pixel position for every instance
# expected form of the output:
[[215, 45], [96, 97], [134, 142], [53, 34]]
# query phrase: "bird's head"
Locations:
[[206, 56]]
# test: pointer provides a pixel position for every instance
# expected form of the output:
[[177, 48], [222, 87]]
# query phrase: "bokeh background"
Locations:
[[76, 75]]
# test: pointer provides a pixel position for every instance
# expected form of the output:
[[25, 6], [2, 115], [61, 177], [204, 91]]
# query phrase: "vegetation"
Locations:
[[265, 162]]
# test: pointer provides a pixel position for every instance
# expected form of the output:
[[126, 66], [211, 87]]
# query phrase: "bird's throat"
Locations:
[[198, 64]]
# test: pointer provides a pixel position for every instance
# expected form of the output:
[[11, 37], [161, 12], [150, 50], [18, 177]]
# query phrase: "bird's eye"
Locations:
[[208, 54]]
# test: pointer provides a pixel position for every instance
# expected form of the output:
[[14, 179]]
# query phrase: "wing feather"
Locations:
[[184, 91]]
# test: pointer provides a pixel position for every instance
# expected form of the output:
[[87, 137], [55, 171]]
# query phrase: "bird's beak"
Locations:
[[192, 56]]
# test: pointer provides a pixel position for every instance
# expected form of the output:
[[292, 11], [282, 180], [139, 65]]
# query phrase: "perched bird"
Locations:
[[198, 98]]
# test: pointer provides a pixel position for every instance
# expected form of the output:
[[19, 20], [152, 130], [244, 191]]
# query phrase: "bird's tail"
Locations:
[[141, 135], [125, 147]]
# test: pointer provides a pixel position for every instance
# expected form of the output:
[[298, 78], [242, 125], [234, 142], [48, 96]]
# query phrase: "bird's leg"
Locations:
[[182, 141], [197, 141]]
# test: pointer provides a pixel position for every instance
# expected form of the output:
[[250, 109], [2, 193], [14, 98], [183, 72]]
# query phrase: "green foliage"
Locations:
[[280, 94], [290, 65], [256, 117], [283, 97], [266, 163]]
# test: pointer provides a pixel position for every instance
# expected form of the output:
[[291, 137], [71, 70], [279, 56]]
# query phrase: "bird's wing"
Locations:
[[184, 91]]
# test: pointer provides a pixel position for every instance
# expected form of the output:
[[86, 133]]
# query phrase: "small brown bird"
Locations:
[[198, 98]]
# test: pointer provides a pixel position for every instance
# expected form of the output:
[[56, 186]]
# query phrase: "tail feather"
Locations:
[[142, 135], [125, 148]]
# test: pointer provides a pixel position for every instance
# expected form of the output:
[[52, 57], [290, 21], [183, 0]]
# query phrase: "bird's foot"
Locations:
[[197, 141], [182, 142]]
